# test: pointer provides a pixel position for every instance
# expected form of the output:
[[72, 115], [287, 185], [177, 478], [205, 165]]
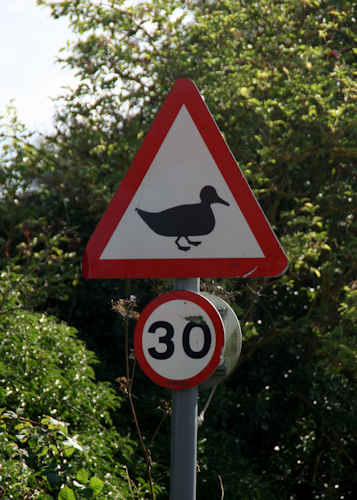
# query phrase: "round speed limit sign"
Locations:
[[178, 339]]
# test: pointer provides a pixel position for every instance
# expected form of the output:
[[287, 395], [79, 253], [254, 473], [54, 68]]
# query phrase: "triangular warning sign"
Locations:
[[184, 208]]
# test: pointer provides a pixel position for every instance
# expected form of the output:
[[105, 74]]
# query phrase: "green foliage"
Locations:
[[46, 358], [280, 79], [57, 435], [41, 460]]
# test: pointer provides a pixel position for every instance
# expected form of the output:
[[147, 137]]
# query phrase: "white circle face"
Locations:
[[178, 339]]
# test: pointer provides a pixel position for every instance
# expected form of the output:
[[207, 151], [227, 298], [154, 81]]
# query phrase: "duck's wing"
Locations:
[[161, 223], [182, 220]]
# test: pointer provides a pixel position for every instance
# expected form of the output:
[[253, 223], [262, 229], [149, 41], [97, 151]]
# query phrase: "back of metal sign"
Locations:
[[232, 342]]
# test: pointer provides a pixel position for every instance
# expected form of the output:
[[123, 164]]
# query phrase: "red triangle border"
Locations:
[[273, 264]]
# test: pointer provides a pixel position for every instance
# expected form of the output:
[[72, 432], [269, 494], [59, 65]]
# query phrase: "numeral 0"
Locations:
[[186, 337]]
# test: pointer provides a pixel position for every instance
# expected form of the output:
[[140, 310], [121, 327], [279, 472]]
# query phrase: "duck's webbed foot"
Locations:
[[194, 243], [181, 247]]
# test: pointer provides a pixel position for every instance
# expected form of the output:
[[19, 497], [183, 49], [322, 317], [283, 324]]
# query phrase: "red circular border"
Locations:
[[212, 312]]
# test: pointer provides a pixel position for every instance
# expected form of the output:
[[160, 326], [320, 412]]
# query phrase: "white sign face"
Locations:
[[182, 167], [184, 208], [176, 339], [175, 346]]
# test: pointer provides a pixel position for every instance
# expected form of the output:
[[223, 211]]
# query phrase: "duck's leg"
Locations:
[[194, 243], [180, 247]]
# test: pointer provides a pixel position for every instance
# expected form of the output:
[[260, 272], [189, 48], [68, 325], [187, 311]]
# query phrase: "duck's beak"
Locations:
[[220, 200]]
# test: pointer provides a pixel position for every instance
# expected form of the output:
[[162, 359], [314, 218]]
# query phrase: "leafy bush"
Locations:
[[56, 431], [42, 456], [279, 78]]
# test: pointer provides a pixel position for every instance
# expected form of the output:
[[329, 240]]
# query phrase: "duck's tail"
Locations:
[[143, 214]]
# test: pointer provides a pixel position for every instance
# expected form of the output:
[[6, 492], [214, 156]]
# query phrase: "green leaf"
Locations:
[[316, 272], [43, 452], [66, 494], [68, 451], [82, 476], [244, 92], [96, 485]]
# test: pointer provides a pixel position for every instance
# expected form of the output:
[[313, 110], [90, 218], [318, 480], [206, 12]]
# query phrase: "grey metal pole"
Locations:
[[184, 429]]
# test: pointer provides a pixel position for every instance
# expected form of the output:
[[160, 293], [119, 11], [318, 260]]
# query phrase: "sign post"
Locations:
[[180, 341], [184, 209], [184, 429]]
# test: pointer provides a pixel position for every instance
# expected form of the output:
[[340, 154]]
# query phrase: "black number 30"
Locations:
[[186, 338]]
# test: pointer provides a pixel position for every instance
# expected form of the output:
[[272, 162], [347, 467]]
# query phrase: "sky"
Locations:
[[29, 44]]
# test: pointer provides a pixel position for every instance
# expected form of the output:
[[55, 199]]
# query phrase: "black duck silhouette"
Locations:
[[183, 221]]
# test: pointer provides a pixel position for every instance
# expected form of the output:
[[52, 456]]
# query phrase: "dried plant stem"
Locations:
[[129, 480], [146, 452], [156, 432], [221, 485], [201, 416]]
